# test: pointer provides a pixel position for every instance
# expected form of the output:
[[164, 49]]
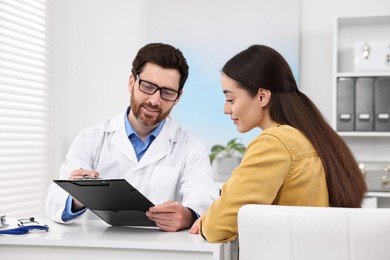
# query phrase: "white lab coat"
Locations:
[[175, 167]]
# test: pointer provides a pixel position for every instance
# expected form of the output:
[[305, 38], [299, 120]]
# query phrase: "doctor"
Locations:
[[146, 147]]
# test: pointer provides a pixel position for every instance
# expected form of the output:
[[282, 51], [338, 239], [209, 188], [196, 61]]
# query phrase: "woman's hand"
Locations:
[[195, 229]]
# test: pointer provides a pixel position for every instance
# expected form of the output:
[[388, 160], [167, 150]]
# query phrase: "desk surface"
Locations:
[[98, 234]]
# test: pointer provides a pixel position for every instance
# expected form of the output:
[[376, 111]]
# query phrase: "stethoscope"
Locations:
[[22, 228]]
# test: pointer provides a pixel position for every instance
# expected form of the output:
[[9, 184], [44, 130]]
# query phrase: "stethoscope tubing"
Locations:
[[23, 230]]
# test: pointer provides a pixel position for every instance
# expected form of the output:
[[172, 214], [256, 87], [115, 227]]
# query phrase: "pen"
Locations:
[[98, 152]]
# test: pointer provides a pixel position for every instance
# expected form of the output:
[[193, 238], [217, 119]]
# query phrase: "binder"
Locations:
[[364, 104], [345, 104], [382, 104]]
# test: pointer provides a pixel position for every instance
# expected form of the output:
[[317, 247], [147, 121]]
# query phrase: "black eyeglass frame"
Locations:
[[157, 88]]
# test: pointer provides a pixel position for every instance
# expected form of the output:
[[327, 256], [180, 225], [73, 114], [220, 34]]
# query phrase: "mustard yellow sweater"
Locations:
[[279, 167]]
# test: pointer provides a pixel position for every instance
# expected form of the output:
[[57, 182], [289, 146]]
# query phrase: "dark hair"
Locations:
[[163, 55], [260, 66]]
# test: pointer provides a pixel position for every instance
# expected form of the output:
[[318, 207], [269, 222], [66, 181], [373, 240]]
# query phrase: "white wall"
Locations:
[[94, 44], [317, 25]]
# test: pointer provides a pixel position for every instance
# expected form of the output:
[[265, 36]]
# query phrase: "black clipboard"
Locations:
[[115, 201]]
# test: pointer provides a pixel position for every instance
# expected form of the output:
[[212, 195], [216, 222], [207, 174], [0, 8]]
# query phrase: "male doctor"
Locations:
[[146, 147]]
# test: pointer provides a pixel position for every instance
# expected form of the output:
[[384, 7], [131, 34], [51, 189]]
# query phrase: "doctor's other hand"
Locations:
[[170, 216], [195, 229], [80, 174]]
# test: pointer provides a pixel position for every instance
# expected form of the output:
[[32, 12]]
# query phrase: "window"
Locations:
[[24, 107]]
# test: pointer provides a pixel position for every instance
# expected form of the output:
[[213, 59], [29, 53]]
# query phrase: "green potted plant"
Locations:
[[226, 158]]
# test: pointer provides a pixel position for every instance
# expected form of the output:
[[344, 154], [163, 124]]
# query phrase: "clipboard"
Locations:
[[115, 201]]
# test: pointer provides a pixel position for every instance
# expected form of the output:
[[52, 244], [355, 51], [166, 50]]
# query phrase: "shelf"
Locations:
[[378, 194], [363, 20], [364, 134], [351, 30], [362, 74]]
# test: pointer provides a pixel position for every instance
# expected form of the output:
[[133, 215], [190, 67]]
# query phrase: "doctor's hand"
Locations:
[[79, 174], [170, 216]]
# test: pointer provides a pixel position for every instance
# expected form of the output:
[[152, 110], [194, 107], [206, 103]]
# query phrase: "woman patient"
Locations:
[[298, 159]]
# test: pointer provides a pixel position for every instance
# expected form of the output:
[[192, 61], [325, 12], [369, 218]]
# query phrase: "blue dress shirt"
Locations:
[[140, 146]]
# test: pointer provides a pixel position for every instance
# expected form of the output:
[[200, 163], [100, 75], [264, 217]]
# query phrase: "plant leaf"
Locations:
[[217, 148], [231, 147]]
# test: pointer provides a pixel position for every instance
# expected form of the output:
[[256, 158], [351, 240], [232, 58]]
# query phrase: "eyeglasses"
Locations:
[[150, 88]]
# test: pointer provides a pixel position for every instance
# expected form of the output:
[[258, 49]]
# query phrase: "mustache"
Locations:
[[151, 107]]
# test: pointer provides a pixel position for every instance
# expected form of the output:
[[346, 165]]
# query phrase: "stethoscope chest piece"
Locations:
[[3, 223]]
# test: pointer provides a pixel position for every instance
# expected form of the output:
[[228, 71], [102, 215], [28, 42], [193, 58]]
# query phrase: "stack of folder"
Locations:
[[363, 104]]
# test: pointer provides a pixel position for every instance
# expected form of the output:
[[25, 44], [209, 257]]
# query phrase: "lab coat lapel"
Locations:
[[161, 146], [120, 139]]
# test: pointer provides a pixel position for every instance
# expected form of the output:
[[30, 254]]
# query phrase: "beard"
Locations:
[[144, 119]]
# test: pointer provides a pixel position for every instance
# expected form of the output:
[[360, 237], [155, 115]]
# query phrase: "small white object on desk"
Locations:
[[3, 223]]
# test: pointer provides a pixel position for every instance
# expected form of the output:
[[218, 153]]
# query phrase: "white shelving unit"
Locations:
[[373, 145], [348, 30]]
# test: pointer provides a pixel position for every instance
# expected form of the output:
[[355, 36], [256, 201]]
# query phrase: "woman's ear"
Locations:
[[264, 96]]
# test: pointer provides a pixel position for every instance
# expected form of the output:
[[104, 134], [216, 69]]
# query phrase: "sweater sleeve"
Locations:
[[257, 180]]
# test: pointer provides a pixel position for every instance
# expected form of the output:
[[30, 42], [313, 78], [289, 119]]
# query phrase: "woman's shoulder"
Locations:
[[291, 137], [279, 130]]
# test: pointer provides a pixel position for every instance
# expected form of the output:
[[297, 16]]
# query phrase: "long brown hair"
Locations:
[[260, 66]]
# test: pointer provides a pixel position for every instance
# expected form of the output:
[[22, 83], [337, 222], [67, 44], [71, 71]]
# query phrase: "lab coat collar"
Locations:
[[160, 147], [115, 128]]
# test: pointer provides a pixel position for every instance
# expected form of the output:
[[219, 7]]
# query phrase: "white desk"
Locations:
[[95, 239]]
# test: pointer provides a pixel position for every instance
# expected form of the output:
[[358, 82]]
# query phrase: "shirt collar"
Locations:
[[130, 130]]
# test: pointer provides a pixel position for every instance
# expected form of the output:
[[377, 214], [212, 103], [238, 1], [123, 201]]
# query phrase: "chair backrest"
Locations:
[[267, 232]]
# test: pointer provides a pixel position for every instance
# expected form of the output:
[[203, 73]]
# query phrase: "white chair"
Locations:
[[269, 232]]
